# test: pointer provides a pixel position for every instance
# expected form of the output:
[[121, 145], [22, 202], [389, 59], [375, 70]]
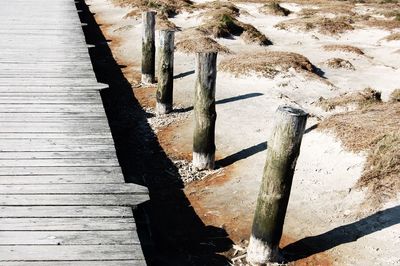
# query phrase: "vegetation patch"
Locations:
[[337, 63], [395, 96], [381, 173], [343, 48], [393, 37], [267, 64], [220, 21], [194, 40], [373, 128], [387, 24], [327, 26], [274, 8], [224, 25], [168, 8], [360, 99], [164, 8]]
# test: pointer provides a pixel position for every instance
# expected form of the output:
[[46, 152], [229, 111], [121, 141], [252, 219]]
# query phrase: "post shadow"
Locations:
[[223, 101], [341, 235], [184, 74], [170, 231], [243, 154]]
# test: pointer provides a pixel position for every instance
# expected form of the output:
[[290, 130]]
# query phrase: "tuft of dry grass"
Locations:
[[362, 98], [360, 129], [274, 8], [327, 26], [343, 48], [224, 25], [395, 96], [217, 8], [166, 7], [194, 40], [373, 128], [381, 176], [387, 24], [252, 35], [337, 63], [267, 64], [393, 37]]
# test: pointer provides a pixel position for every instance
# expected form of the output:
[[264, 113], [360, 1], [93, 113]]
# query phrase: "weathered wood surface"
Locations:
[[148, 47], [63, 199], [165, 75], [205, 114], [283, 151]]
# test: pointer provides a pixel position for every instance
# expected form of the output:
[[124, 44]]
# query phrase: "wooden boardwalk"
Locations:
[[63, 200]]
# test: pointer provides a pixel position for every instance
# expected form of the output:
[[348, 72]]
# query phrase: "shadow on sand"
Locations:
[[343, 234], [169, 229]]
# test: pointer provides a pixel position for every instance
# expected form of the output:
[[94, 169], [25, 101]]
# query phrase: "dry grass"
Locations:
[[220, 21], [361, 99], [274, 9], [266, 64], [387, 24], [381, 174], [165, 7], [393, 37], [330, 7], [343, 48], [373, 128], [395, 96], [327, 26], [337, 63], [194, 40]]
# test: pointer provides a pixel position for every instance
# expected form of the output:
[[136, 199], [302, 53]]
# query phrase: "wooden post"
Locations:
[[283, 150], [165, 72], [204, 111], [148, 47]]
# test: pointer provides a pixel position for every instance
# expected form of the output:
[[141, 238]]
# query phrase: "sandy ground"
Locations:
[[324, 209]]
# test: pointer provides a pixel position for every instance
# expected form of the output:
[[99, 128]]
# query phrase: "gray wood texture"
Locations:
[[63, 199]]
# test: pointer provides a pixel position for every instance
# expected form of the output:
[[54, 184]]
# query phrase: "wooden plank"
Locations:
[[65, 211], [27, 135], [51, 100], [59, 170], [58, 162], [61, 189], [128, 237], [6, 147], [51, 108], [67, 224], [59, 86], [72, 253], [47, 81], [57, 155], [10, 117], [88, 141], [61, 179], [78, 263], [10, 127], [43, 89], [73, 200]]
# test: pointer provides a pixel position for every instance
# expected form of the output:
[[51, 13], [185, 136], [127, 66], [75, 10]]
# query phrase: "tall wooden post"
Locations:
[[283, 150], [148, 47], [165, 72], [204, 111]]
